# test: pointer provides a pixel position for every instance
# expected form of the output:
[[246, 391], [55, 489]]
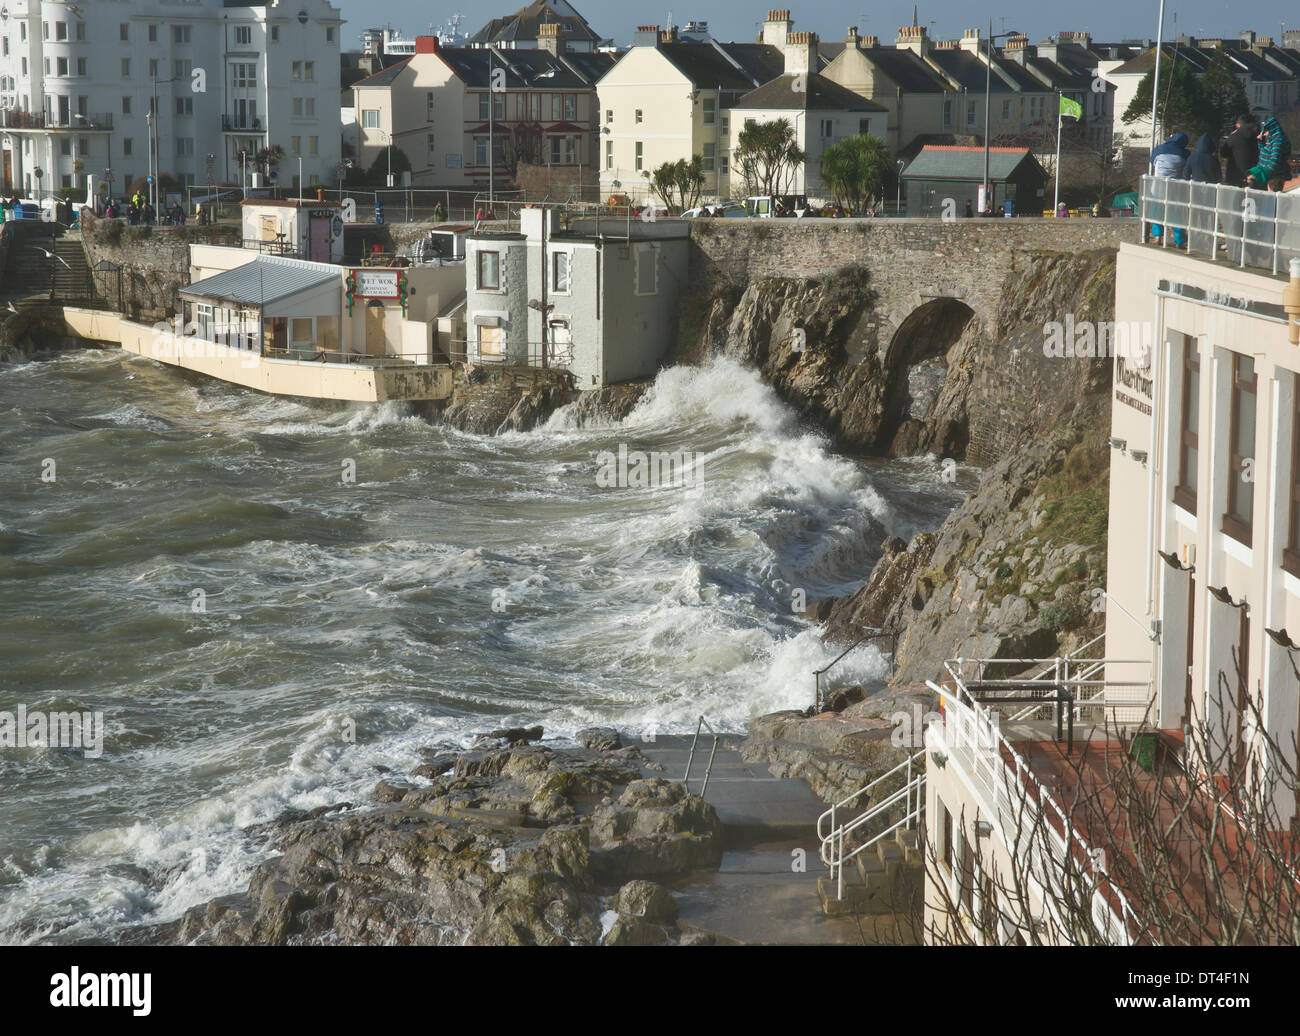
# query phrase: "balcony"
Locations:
[[241, 124], [1237, 225], [14, 119]]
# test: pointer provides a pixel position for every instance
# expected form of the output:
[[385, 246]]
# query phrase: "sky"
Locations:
[[1109, 20]]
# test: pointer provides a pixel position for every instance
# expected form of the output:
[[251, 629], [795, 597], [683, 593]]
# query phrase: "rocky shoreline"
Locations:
[[511, 843]]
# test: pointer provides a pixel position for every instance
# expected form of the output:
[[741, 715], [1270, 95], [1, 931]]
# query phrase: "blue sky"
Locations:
[[736, 19]]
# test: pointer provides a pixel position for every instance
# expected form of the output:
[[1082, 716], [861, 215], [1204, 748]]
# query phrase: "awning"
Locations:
[[279, 286]]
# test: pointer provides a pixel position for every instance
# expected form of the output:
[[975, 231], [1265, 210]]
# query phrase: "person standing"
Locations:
[[1274, 154], [1169, 161], [1203, 166], [1241, 149]]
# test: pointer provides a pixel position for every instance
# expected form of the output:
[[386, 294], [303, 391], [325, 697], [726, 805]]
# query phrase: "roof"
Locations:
[[526, 69], [525, 24], [1058, 76], [819, 94], [384, 77], [907, 70], [265, 280], [734, 67], [1145, 62], [966, 70], [967, 163]]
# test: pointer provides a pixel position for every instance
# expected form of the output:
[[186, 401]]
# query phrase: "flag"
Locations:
[[1071, 108]]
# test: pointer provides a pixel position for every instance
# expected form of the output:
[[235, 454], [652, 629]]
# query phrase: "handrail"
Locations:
[[873, 634], [690, 759], [1013, 767]]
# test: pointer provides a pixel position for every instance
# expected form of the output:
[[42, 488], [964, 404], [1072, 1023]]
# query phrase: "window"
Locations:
[[710, 157], [609, 154], [1241, 465], [428, 105], [5, 51], [947, 114], [128, 146], [966, 892], [640, 161], [484, 106], [295, 145], [970, 114], [710, 111], [557, 107], [124, 31], [180, 34], [65, 146], [828, 128], [275, 34], [431, 148], [489, 271], [535, 107], [570, 106], [81, 66], [560, 271], [1006, 111], [153, 68], [80, 33], [184, 146], [480, 150], [61, 66], [638, 115], [185, 106], [1291, 556], [329, 35], [1189, 439], [153, 34], [864, 127], [243, 74], [126, 68], [22, 31], [609, 114], [489, 338], [309, 71], [313, 145], [83, 146], [370, 118], [60, 30], [945, 836], [499, 106], [243, 35], [182, 68], [296, 70]]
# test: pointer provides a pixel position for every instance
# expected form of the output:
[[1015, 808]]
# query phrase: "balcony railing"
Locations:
[[13, 118], [1237, 225], [241, 124]]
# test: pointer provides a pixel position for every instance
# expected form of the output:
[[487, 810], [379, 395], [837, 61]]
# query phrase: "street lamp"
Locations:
[[988, 81], [898, 198]]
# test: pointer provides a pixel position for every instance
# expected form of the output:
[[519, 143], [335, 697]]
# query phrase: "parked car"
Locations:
[[767, 206], [727, 210]]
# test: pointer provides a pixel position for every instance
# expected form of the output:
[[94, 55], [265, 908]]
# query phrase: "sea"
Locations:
[[269, 600]]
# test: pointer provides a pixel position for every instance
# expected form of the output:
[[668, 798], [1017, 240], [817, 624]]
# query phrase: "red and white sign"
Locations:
[[376, 284]]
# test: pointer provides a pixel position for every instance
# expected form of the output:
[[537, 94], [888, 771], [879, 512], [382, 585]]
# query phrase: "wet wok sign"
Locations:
[[376, 284]]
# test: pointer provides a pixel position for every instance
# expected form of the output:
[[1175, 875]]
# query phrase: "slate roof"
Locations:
[[966, 70], [525, 24], [265, 280], [820, 94], [907, 70], [967, 163]]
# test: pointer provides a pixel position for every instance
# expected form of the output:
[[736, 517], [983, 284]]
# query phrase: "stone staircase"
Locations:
[[73, 281], [888, 878]]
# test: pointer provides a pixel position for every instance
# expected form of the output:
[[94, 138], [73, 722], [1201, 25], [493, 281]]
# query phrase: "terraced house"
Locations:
[[465, 114]]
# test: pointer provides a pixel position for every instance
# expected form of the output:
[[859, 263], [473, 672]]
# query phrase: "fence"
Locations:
[[1245, 227]]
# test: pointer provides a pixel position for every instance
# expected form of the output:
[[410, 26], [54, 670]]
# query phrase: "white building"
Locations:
[[78, 86]]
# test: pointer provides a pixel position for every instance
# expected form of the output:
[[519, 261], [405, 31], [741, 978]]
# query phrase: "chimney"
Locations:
[[669, 35], [777, 28], [548, 38], [1291, 39], [1214, 43], [426, 44], [870, 41], [913, 38], [1247, 36], [646, 36], [1016, 49], [801, 54], [1080, 39], [970, 40], [945, 44], [851, 38]]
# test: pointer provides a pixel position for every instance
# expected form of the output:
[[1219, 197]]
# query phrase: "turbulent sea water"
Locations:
[[332, 605]]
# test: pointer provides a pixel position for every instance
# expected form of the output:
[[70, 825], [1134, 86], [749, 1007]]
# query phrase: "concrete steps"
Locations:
[[886, 879]]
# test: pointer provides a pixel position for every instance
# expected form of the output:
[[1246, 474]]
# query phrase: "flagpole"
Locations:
[[1056, 192]]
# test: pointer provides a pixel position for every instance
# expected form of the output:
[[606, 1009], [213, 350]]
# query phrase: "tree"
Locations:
[[679, 183], [1182, 105], [856, 171], [377, 174], [768, 155], [1225, 97], [267, 158]]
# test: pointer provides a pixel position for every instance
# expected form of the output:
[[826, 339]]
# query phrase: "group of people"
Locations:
[[1256, 156]]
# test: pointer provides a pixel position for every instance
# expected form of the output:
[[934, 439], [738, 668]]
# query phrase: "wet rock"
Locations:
[[842, 697], [647, 900], [599, 739]]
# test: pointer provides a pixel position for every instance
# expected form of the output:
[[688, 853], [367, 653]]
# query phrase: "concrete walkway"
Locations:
[[759, 894]]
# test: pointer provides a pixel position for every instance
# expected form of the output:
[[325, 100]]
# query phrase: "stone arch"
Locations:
[[917, 366]]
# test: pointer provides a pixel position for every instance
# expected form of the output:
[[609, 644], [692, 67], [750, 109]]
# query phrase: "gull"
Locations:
[[12, 307], [50, 255]]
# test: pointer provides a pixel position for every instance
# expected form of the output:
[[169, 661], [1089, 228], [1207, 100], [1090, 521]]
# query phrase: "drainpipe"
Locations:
[[1291, 303]]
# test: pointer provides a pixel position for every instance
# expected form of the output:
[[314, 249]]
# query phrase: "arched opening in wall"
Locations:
[[917, 362]]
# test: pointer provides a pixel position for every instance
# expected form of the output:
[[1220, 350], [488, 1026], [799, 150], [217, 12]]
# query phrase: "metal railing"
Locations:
[[833, 841], [1238, 225], [872, 634], [1026, 813], [13, 118], [690, 759]]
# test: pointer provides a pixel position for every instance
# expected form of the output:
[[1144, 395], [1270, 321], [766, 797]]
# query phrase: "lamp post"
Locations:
[[988, 83]]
